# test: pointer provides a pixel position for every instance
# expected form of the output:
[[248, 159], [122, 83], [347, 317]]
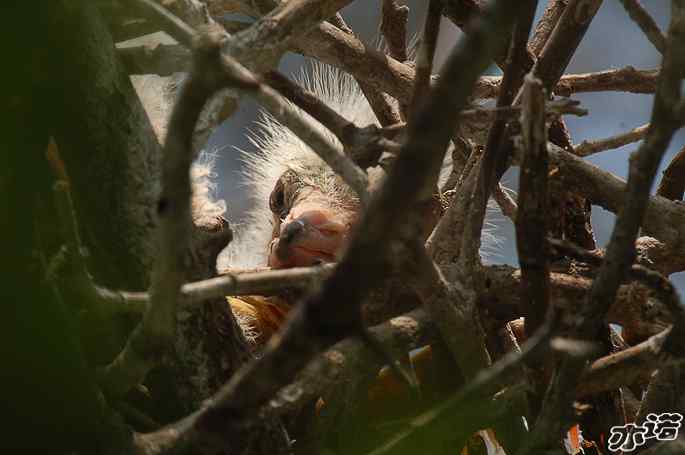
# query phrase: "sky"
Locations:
[[612, 41]]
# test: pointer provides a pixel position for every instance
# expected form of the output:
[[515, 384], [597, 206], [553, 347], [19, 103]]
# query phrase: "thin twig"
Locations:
[[393, 26], [646, 23], [564, 41], [627, 79], [546, 24], [625, 367], [267, 282], [182, 32], [424, 59], [531, 220], [587, 148]]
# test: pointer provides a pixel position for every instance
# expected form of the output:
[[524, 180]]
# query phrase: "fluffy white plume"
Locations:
[[205, 206], [279, 150]]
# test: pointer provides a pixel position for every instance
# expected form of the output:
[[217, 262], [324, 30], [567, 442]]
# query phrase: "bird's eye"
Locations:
[[277, 199]]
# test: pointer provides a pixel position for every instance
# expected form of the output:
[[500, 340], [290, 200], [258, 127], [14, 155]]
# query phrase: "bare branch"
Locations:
[[627, 79], [546, 24], [627, 366], [424, 59], [386, 109], [564, 41], [531, 220], [393, 26], [267, 282], [646, 23], [587, 148]]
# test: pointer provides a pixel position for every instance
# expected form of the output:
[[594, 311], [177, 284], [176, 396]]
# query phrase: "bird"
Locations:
[[302, 214]]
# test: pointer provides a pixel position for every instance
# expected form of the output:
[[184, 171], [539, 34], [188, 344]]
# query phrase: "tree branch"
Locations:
[[531, 224], [642, 18], [587, 148], [393, 26]]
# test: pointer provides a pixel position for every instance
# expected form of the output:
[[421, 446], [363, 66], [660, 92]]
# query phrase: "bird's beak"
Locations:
[[308, 237]]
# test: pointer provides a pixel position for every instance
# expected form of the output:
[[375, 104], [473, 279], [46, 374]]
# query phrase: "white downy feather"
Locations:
[[277, 150]]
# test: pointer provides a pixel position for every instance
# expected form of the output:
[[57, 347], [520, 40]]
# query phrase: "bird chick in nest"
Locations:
[[302, 212]]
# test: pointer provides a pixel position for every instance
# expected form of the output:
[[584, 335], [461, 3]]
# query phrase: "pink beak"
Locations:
[[310, 238]]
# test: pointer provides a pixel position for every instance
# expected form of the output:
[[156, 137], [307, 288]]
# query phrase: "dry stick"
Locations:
[[163, 59], [625, 367], [564, 41], [587, 148], [646, 23], [393, 26], [424, 59], [672, 183], [267, 282], [531, 221], [312, 105], [311, 329], [621, 250], [546, 24], [627, 79], [193, 12]]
